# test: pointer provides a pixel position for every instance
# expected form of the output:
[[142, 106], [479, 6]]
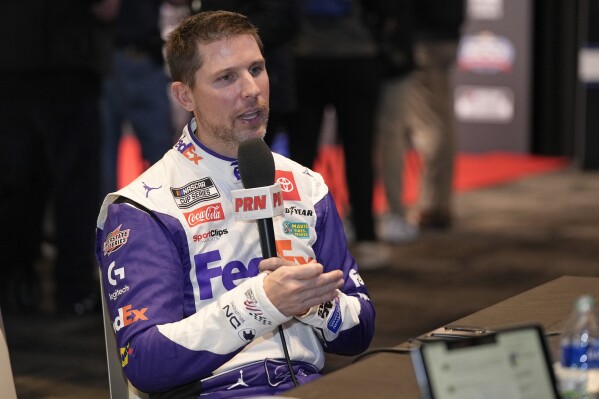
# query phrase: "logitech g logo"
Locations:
[[120, 273]]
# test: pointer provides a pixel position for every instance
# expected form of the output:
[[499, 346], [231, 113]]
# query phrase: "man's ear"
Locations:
[[182, 94]]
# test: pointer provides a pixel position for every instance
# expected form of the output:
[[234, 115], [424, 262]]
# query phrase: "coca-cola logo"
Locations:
[[203, 214]]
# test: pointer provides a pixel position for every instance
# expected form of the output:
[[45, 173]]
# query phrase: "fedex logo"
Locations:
[[128, 316], [209, 267], [285, 246], [188, 150], [235, 175]]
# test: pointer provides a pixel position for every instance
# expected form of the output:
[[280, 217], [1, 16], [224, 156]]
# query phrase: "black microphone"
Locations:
[[261, 197], [257, 170]]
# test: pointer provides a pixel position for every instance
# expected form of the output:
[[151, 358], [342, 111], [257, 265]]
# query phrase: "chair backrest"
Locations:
[[120, 387], [6, 379]]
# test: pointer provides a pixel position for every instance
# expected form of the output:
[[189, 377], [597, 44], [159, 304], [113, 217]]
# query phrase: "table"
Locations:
[[388, 375]]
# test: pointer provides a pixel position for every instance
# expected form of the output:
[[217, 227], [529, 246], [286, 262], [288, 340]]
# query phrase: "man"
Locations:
[[194, 306], [416, 108]]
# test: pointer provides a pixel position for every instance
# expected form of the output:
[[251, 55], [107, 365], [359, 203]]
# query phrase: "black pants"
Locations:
[[49, 160], [352, 86]]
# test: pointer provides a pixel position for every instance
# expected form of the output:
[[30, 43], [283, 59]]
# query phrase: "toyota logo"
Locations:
[[286, 184]]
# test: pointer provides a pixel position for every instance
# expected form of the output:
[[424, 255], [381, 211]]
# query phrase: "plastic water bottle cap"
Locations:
[[585, 303]]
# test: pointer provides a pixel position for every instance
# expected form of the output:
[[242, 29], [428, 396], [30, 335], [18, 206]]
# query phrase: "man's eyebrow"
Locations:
[[258, 61]]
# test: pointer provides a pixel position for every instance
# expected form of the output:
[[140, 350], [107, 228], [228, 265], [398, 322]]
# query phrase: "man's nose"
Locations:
[[250, 87]]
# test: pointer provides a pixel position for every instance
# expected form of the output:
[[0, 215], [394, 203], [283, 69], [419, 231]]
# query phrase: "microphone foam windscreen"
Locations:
[[256, 164]]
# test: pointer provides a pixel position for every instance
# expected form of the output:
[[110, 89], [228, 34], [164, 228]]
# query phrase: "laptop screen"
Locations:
[[512, 363]]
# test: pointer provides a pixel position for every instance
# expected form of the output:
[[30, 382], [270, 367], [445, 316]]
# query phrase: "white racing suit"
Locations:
[[181, 278]]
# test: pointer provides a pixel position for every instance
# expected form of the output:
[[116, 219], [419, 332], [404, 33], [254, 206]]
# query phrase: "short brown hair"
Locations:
[[182, 51]]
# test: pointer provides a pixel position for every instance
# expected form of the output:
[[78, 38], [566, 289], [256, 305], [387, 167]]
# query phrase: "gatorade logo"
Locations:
[[128, 316]]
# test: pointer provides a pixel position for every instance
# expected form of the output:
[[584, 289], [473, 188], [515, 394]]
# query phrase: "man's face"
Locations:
[[231, 93]]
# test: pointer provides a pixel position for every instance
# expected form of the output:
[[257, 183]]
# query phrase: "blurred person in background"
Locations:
[[417, 110], [135, 91], [336, 64], [52, 61]]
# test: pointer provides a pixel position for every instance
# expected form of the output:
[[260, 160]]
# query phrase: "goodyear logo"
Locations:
[[298, 229]]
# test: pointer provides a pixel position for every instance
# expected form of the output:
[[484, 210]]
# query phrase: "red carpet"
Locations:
[[472, 171]]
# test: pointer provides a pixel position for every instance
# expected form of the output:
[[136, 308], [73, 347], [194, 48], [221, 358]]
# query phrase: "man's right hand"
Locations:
[[294, 289]]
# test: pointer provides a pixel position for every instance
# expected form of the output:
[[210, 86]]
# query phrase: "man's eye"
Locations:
[[256, 70], [226, 77]]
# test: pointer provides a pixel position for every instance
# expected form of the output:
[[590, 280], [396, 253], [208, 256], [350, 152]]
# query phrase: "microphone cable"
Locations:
[[288, 358]]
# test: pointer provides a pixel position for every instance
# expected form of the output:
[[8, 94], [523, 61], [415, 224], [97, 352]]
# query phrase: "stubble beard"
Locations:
[[227, 135]]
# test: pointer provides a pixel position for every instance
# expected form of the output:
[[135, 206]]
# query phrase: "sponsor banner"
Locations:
[[588, 64], [258, 203], [486, 52], [484, 104], [485, 9]]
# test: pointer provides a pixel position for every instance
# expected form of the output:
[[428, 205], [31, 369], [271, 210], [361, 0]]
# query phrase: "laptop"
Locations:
[[513, 363]]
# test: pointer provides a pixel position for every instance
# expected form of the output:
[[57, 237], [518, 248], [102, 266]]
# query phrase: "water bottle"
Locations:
[[579, 345]]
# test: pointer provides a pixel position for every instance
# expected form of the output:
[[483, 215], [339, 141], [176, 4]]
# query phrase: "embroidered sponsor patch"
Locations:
[[125, 352], [204, 214], [331, 311], [115, 240], [233, 315], [252, 306], [188, 150], [195, 192], [127, 315], [247, 334], [294, 210], [288, 186], [335, 319], [298, 229]]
